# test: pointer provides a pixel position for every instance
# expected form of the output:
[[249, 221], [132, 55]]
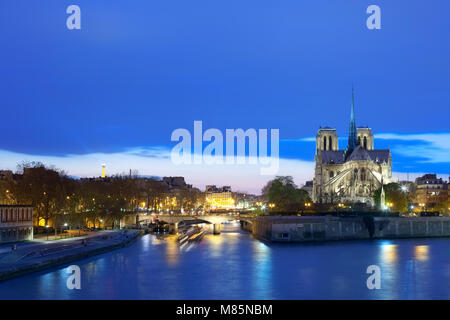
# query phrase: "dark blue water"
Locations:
[[233, 265]]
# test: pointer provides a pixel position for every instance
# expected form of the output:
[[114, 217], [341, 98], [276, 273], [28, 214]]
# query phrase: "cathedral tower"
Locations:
[[365, 138], [326, 139]]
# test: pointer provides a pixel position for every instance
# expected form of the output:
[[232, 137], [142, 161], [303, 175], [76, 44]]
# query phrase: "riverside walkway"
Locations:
[[38, 255]]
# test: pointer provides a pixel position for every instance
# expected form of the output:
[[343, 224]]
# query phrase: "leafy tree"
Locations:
[[109, 199], [60, 199], [6, 197], [155, 191], [189, 198], [393, 194], [284, 194], [42, 187]]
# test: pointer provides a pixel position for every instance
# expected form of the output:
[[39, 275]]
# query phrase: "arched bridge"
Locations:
[[213, 219], [216, 220], [246, 222], [173, 220]]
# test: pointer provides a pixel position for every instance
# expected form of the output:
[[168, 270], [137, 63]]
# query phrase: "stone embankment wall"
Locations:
[[41, 257], [304, 229]]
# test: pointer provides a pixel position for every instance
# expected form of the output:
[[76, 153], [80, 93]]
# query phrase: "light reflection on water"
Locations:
[[262, 270], [233, 265], [388, 253], [421, 253], [172, 252]]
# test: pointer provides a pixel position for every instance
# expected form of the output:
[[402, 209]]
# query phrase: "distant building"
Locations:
[[352, 174], [175, 182], [16, 223], [219, 198], [431, 192], [244, 200], [6, 175], [430, 181], [177, 195], [308, 187], [213, 188]]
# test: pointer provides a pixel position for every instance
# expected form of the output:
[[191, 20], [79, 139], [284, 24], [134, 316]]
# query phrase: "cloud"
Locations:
[[431, 147], [308, 139], [150, 152]]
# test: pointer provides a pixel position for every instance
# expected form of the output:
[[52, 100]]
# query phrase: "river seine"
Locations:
[[234, 265]]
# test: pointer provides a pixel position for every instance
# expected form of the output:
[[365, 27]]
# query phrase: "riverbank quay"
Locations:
[[64, 235], [325, 228], [37, 256]]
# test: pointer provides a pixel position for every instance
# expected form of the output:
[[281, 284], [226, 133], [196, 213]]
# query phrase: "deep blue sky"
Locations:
[[140, 69]]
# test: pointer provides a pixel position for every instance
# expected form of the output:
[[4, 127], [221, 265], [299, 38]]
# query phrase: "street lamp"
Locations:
[[389, 205], [62, 231], [422, 205]]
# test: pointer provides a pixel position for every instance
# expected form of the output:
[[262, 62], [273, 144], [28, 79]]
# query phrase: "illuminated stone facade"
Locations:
[[432, 193], [219, 198], [16, 223]]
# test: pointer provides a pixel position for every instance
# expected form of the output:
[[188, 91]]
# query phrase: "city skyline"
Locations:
[[290, 68], [80, 166]]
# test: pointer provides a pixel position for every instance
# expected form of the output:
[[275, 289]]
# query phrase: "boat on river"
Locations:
[[190, 234]]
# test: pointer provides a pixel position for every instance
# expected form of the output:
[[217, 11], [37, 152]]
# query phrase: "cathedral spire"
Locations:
[[352, 135]]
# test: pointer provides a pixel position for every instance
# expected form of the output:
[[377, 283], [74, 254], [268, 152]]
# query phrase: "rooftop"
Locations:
[[15, 206], [338, 156]]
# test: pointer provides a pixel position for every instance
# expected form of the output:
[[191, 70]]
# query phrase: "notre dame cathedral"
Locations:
[[352, 174]]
